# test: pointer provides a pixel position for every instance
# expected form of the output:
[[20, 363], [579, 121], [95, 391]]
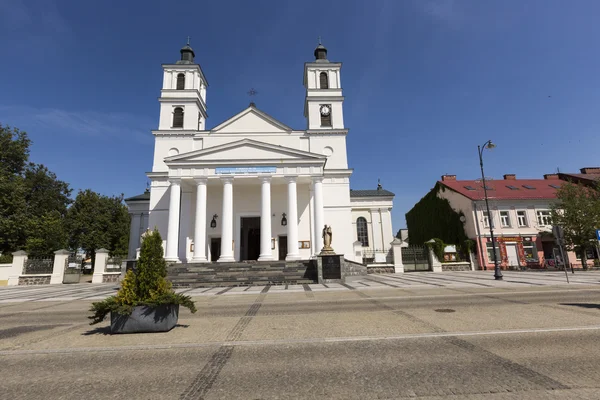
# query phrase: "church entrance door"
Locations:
[[249, 238], [215, 248], [282, 247]]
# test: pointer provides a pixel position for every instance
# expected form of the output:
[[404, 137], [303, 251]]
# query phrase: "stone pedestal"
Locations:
[[330, 268]]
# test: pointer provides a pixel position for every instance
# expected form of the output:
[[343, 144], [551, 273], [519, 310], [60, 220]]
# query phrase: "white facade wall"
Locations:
[[252, 138]]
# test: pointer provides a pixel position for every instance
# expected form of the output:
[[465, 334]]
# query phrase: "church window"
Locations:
[[362, 232], [324, 80], [180, 81], [178, 118], [326, 120]]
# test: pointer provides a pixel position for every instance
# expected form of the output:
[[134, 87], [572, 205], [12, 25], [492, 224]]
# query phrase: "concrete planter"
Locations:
[[145, 319]]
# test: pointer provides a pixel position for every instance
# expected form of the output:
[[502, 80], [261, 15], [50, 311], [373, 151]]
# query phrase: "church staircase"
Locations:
[[245, 273]]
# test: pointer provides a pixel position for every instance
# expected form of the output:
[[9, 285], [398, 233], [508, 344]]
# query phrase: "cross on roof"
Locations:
[[188, 40], [319, 39], [252, 92]]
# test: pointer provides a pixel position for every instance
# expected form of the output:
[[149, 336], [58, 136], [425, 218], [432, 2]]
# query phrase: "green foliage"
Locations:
[[32, 196], [433, 217], [95, 221], [14, 150], [47, 234], [6, 258], [148, 286], [438, 246], [578, 213]]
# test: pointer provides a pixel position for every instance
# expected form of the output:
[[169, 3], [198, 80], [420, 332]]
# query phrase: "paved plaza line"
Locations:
[[276, 342], [399, 297]]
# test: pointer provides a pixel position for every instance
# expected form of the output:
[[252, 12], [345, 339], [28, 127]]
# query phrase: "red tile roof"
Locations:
[[501, 191]]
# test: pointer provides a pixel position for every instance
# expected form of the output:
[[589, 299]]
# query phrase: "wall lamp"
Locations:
[[283, 220], [213, 223]]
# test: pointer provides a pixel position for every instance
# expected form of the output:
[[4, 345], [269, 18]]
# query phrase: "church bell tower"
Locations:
[[323, 106], [183, 95]]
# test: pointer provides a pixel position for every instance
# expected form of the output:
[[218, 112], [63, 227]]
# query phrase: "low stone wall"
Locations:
[[381, 270], [34, 280], [352, 268], [111, 278], [456, 266]]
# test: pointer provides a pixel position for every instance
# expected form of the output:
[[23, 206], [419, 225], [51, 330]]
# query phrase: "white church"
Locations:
[[253, 188]]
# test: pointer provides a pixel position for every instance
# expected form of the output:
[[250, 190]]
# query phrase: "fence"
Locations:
[[113, 264], [38, 266], [377, 257]]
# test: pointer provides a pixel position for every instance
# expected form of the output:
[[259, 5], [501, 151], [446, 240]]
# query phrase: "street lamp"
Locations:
[[480, 149]]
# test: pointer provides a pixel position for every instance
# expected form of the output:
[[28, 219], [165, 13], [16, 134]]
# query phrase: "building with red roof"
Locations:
[[520, 214]]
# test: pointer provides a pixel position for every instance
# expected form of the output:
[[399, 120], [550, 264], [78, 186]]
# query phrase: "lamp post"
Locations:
[[480, 149]]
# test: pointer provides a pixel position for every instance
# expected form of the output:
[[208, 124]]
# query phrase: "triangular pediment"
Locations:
[[245, 150], [251, 120]]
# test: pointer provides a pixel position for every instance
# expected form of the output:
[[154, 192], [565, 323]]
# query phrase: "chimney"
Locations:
[[446, 178], [594, 170], [551, 176], [510, 177]]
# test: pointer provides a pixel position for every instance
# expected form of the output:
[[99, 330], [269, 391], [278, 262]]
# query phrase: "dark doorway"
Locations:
[[282, 247], [250, 238], [215, 249]]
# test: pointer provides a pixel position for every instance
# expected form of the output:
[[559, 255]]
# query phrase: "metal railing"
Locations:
[[38, 266], [113, 264], [370, 256]]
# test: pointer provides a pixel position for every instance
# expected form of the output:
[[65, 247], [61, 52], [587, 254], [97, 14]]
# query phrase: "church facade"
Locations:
[[251, 187]]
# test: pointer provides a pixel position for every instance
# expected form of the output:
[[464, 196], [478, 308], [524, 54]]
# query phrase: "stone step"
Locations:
[[241, 273], [235, 283], [215, 270]]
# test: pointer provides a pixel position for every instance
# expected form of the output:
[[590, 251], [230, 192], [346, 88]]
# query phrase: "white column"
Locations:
[[227, 222], [200, 224], [313, 239], [265, 219], [319, 218], [134, 234], [292, 231], [173, 227]]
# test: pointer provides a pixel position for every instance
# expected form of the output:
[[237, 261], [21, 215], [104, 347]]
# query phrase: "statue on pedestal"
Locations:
[[327, 237]]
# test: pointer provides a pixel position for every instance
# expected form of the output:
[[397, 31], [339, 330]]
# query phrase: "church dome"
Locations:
[[187, 55], [321, 53]]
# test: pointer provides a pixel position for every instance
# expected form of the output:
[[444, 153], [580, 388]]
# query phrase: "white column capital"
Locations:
[[227, 179], [174, 181], [264, 179], [201, 180], [291, 179], [317, 179]]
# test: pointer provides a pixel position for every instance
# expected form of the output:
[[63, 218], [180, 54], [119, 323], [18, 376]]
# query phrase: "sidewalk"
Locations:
[[424, 280]]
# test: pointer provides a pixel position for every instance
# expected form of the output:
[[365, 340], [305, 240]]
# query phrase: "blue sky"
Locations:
[[425, 82]]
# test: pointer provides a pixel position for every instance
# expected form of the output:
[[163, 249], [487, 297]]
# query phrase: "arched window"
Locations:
[[362, 232], [180, 81], [178, 118], [324, 80]]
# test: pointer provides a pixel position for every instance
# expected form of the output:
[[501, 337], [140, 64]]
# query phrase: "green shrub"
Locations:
[[6, 258], [147, 286]]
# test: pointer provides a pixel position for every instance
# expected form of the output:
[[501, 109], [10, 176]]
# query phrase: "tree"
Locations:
[[578, 213], [147, 286], [96, 221], [30, 197]]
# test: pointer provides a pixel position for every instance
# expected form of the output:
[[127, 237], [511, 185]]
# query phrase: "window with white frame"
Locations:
[[543, 218], [522, 218], [486, 219], [504, 219], [490, 252]]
